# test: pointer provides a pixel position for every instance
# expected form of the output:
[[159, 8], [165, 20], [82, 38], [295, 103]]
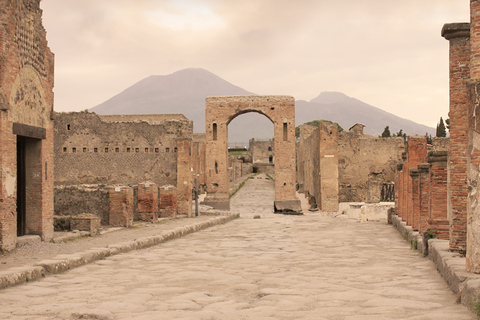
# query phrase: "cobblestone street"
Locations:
[[275, 267]]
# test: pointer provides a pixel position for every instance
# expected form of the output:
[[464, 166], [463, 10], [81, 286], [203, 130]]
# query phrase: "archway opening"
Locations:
[[250, 144], [280, 110]]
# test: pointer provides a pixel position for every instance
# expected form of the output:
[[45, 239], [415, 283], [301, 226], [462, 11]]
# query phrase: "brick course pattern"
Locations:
[[458, 35], [281, 111], [26, 110], [121, 206], [148, 201], [437, 215], [168, 203]]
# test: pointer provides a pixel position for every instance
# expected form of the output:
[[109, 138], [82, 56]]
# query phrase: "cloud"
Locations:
[[387, 53]]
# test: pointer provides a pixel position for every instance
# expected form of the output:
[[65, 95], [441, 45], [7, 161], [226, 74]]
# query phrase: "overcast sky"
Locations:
[[387, 53]]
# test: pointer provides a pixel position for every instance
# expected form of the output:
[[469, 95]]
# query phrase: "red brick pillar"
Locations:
[[398, 189], [458, 34], [148, 201], [415, 216], [424, 175], [438, 193], [416, 154], [473, 151], [404, 186], [168, 204], [184, 176], [121, 206]]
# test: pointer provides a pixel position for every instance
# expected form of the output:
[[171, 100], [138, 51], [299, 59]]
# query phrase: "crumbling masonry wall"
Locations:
[[365, 160], [364, 164], [26, 123], [94, 152]]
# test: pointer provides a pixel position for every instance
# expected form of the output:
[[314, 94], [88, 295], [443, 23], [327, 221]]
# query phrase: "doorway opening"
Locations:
[[29, 185]]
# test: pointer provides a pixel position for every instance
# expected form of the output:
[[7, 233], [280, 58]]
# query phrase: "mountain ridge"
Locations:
[[184, 91]]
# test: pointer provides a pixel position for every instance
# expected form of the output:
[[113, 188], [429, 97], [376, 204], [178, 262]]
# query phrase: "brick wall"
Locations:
[[26, 99], [438, 220], [147, 201], [121, 206], [458, 35], [168, 204]]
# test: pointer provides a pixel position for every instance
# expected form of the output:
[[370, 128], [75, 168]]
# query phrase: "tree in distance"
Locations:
[[441, 130]]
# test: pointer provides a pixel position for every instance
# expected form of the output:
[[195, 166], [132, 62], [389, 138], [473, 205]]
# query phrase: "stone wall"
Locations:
[[90, 150], [26, 124], [262, 151], [317, 165], [364, 163]]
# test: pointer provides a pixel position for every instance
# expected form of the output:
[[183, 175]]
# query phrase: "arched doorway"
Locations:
[[281, 111]]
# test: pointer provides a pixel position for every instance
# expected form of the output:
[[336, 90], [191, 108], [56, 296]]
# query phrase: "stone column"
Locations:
[[328, 162], [184, 176], [458, 34]]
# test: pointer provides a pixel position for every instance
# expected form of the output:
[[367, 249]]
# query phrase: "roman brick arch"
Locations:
[[220, 111]]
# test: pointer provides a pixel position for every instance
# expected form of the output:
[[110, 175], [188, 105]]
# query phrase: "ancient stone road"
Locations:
[[276, 267]]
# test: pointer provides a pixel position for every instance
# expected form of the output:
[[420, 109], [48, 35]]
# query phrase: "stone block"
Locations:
[[86, 222]]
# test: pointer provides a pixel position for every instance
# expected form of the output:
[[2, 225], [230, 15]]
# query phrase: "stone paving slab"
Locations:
[[63, 262]]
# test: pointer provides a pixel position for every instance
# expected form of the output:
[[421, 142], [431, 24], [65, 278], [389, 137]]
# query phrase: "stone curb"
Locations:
[[450, 265], [64, 262]]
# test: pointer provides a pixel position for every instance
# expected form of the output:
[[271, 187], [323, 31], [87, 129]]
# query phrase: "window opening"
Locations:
[[214, 132]]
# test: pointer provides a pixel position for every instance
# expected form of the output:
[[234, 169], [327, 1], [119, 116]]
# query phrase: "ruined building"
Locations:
[[349, 166], [142, 161], [26, 124], [263, 155], [456, 190]]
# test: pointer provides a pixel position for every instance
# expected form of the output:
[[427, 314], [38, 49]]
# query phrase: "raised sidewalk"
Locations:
[[165, 231]]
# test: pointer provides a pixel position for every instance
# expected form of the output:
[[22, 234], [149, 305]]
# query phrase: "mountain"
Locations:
[[347, 111], [185, 91]]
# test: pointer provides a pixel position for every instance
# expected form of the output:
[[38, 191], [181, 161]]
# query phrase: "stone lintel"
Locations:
[[288, 206], [456, 30]]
